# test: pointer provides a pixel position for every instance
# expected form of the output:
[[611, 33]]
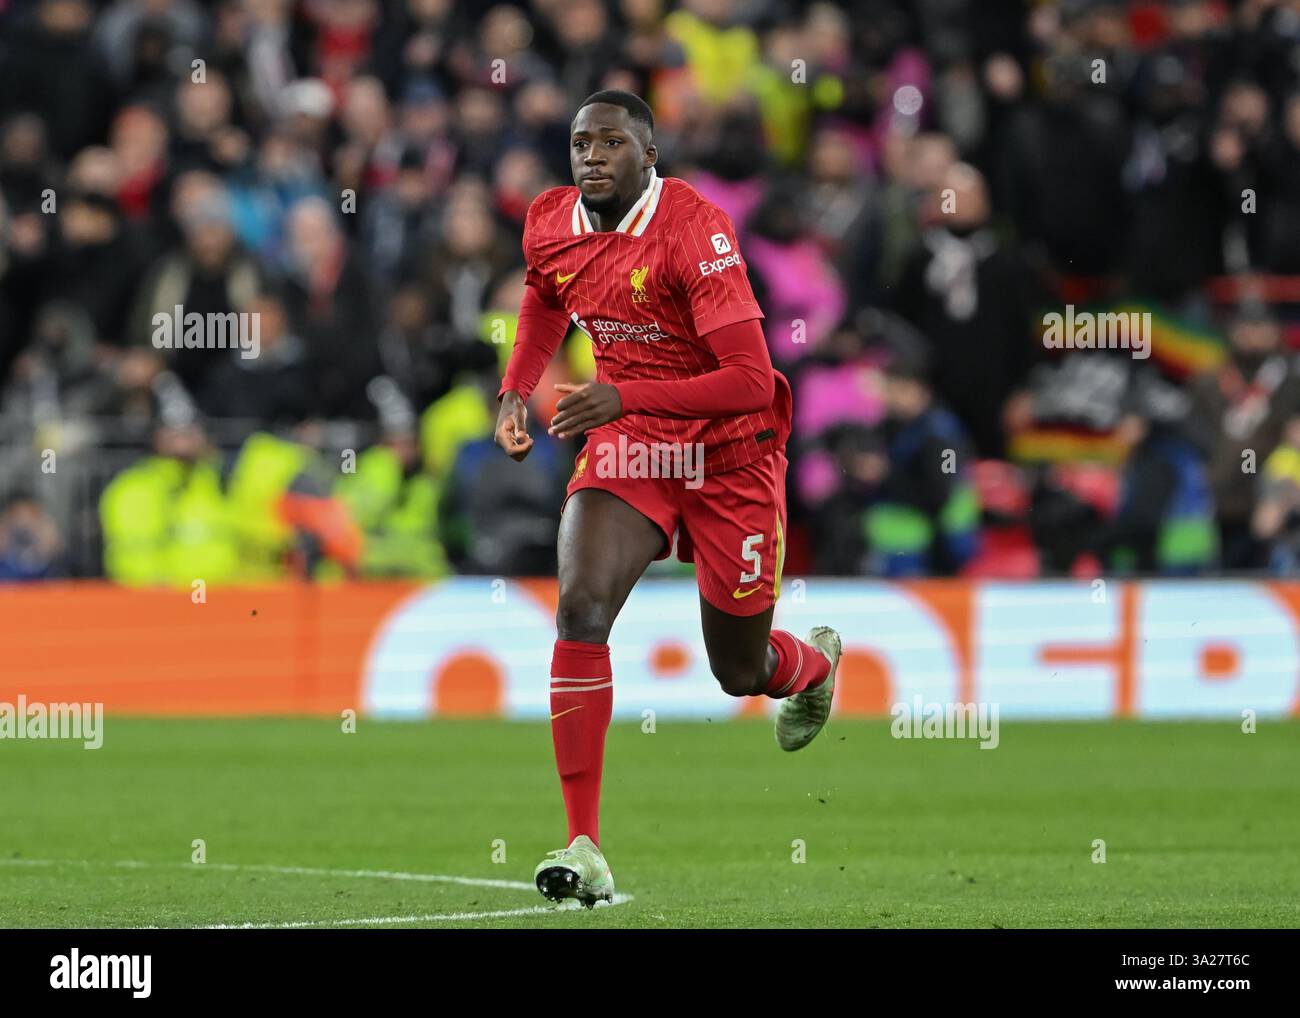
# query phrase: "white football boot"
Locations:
[[579, 871], [803, 715]]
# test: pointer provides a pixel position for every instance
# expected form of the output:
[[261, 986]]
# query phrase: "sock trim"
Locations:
[[581, 689]]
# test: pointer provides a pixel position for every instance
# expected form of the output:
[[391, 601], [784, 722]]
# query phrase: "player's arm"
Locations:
[[542, 327], [742, 383]]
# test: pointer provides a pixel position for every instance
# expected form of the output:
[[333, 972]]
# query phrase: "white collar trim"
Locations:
[[634, 223]]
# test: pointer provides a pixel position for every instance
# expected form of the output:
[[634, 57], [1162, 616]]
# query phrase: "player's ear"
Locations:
[[651, 156]]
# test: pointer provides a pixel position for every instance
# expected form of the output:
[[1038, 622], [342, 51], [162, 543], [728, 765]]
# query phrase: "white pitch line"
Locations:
[[513, 885], [429, 878], [446, 917]]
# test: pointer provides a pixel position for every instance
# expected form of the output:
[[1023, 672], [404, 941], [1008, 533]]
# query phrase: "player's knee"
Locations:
[[583, 616], [735, 678]]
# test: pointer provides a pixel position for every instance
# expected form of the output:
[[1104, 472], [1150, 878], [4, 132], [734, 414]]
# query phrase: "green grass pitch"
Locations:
[[700, 823]]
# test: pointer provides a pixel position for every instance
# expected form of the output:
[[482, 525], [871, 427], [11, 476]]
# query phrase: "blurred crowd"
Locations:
[[915, 185]]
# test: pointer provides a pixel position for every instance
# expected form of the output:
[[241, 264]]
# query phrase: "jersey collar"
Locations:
[[638, 216]]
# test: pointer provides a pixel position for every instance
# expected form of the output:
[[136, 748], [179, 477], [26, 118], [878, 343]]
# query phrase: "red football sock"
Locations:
[[799, 666], [582, 700]]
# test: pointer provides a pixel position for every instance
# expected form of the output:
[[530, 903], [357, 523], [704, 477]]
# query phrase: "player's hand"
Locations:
[[585, 407], [512, 434]]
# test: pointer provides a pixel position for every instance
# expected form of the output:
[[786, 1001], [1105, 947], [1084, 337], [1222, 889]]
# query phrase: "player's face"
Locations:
[[608, 152]]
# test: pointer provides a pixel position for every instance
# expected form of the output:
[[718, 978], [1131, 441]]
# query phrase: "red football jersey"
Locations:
[[647, 294]]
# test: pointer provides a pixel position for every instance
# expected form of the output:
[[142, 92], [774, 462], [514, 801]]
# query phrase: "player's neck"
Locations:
[[603, 222]]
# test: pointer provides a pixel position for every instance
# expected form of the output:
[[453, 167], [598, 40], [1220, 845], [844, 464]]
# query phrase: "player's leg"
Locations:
[[750, 658], [737, 522], [741, 655], [604, 547]]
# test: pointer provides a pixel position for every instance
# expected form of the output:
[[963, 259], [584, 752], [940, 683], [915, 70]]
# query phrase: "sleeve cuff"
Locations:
[[627, 397]]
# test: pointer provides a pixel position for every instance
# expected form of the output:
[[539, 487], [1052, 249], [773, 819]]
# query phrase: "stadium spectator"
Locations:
[[839, 202], [1174, 167], [60, 376], [273, 388], [470, 254], [285, 518], [181, 21], [422, 355], [498, 516], [1280, 179], [401, 222], [1240, 410], [369, 155], [330, 307], [1057, 171], [205, 138], [802, 293], [31, 547], [282, 173], [924, 514], [1276, 520], [51, 70], [839, 402], [1165, 517], [165, 519], [914, 169], [209, 275], [973, 297], [26, 168], [94, 263], [139, 139], [392, 498]]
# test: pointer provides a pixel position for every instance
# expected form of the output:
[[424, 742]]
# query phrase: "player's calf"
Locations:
[[739, 649], [737, 678]]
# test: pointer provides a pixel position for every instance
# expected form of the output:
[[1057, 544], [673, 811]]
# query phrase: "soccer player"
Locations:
[[651, 271]]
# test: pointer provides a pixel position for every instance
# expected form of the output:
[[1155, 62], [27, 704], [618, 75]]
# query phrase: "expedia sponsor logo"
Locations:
[[720, 264]]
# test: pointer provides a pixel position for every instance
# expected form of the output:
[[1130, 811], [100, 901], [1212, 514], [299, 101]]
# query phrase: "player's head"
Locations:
[[611, 144]]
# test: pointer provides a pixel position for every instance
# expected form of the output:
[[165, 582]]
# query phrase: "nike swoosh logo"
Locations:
[[569, 711], [738, 593], [563, 279]]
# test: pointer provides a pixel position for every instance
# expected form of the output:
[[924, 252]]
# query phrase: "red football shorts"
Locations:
[[731, 525]]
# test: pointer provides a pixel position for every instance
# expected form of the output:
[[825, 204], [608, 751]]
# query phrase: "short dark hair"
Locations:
[[637, 108]]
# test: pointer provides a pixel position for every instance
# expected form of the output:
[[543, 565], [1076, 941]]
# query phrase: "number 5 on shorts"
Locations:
[[749, 553]]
